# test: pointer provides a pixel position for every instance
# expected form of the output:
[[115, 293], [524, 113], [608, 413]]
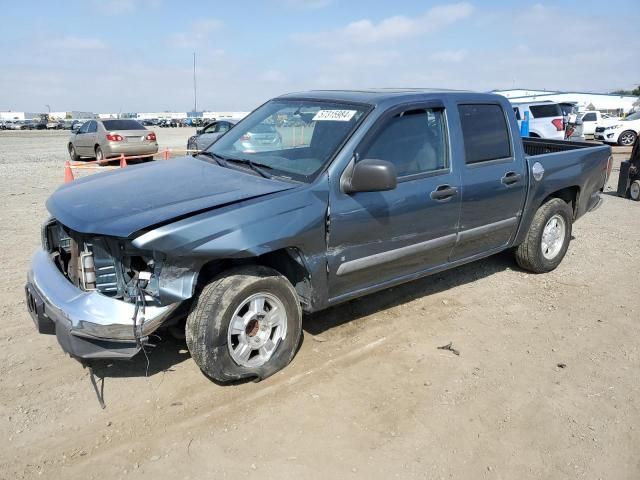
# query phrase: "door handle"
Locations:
[[510, 178], [444, 192]]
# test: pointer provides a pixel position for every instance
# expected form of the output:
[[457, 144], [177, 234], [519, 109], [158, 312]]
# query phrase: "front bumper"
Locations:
[[608, 136], [88, 325]]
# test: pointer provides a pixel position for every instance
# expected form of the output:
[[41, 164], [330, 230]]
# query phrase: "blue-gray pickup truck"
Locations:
[[369, 189]]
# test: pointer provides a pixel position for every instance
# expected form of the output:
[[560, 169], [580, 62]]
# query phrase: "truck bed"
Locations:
[[541, 146]]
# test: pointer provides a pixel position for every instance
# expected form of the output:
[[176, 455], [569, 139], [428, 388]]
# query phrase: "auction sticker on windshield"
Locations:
[[334, 115]]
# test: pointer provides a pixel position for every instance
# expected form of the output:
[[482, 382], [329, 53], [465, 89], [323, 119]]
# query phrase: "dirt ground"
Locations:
[[369, 395]]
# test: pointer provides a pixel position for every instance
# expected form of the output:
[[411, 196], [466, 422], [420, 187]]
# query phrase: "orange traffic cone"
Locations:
[[166, 153], [68, 173], [123, 161]]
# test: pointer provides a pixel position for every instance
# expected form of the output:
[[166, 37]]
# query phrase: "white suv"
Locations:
[[593, 119], [623, 132], [545, 119]]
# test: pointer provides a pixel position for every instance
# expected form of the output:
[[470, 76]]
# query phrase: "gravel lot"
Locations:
[[369, 395]]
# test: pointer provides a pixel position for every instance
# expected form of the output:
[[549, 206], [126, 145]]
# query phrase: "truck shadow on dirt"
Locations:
[[318, 323], [169, 352]]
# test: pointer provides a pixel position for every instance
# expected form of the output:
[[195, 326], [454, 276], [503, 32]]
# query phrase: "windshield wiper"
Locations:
[[258, 168], [224, 162], [220, 160]]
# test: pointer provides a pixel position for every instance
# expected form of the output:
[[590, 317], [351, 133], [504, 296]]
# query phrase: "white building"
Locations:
[[12, 116], [605, 102], [181, 115]]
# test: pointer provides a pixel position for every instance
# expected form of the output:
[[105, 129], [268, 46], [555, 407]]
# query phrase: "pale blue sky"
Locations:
[[135, 55]]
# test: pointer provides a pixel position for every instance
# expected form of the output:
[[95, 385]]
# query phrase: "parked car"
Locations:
[[622, 132], [593, 119], [27, 125], [545, 119], [391, 186], [105, 139], [167, 122], [13, 125], [207, 135]]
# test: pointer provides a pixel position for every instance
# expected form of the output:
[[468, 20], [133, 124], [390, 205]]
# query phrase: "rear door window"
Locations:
[[544, 111], [93, 127], [222, 127], [589, 117], [485, 133]]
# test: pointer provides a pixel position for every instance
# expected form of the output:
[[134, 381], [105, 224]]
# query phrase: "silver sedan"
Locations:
[[105, 139]]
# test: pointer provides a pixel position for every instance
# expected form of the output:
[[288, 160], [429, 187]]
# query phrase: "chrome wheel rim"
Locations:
[[99, 155], [634, 191], [553, 237], [256, 329], [627, 138]]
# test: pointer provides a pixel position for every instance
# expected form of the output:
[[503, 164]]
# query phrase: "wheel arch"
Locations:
[[570, 195], [289, 262]]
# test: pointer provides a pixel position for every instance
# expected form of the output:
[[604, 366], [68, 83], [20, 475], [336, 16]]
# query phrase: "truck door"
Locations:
[[493, 181], [377, 237]]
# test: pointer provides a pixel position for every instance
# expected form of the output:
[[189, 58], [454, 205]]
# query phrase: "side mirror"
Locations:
[[371, 175]]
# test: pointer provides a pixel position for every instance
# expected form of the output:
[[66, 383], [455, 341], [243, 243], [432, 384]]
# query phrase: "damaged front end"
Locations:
[[101, 296]]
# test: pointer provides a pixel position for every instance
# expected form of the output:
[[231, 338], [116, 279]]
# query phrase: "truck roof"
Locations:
[[380, 96]]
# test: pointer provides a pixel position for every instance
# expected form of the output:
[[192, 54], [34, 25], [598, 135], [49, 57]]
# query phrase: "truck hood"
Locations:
[[122, 202]]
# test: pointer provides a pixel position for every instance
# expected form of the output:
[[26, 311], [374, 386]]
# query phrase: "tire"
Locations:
[[100, 157], [634, 190], [73, 154], [540, 252], [627, 138], [148, 159], [219, 346]]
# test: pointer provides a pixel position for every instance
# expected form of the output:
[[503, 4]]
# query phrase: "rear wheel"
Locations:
[[627, 138], [548, 237], [634, 190], [100, 157], [72, 153], [245, 323]]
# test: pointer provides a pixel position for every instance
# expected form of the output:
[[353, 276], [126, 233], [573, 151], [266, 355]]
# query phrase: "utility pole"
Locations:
[[195, 95]]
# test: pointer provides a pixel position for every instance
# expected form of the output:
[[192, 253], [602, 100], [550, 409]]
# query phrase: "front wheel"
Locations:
[[548, 237], [627, 138], [246, 323], [73, 154]]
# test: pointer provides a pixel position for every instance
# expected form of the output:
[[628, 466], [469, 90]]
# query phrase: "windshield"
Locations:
[[291, 138], [633, 116]]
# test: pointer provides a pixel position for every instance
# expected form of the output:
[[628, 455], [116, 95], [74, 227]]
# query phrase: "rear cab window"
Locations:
[[485, 133]]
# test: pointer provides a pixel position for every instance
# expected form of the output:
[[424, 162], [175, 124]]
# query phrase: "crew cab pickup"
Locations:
[[233, 244]]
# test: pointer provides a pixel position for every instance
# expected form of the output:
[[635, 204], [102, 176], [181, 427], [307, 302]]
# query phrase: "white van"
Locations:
[[545, 119]]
